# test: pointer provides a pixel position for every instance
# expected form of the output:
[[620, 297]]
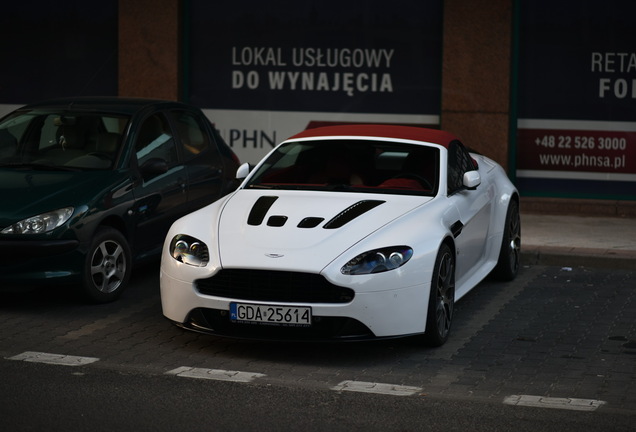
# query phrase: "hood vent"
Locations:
[[276, 221], [263, 204], [310, 222], [260, 209], [352, 212]]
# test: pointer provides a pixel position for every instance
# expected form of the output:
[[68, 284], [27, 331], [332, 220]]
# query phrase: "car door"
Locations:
[[161, 187], [473, 208], [202, 159]]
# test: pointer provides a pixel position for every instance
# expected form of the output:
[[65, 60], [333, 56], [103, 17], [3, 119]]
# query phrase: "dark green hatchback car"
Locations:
[[89, 186]]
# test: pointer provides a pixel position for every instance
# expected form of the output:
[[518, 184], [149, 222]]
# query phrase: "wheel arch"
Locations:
[[515, 197], [117, 223]]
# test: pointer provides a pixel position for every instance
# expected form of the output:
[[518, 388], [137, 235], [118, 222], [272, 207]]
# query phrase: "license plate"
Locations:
[[270, 314]]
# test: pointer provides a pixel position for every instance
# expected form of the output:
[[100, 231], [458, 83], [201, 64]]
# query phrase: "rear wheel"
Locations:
[[441, 302], [508, 263], [107, 266]]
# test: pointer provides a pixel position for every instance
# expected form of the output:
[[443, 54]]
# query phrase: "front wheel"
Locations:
[[442, 298], [508, 263], [107, 267]]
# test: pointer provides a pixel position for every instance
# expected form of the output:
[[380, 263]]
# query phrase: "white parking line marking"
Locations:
[[215, 374], [378, 388], [55, 359], [552, 402]]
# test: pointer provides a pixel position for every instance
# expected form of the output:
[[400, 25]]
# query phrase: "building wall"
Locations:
[[476, 78], [149, 47], [476, 74], [476, 64]]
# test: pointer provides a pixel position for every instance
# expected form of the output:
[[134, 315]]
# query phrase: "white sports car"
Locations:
[[344, 232]]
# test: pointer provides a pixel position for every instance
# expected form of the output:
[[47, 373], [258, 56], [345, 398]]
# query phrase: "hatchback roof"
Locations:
[[103, 103]]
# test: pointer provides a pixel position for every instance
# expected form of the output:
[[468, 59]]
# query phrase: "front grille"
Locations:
[[278, 286]]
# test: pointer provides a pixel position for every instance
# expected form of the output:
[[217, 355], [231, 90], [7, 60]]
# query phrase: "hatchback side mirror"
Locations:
[[153, 167]]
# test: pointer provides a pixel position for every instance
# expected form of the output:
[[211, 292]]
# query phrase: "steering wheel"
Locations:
[[409, 175]]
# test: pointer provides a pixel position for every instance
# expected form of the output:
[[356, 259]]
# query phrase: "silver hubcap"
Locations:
[[108, 266]]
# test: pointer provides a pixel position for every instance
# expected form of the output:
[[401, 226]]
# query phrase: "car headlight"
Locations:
[[41, 223], [189, 250], [378, 260]]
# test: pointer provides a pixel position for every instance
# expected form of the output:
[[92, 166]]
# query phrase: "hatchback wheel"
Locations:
[[107, 267], [441, 302]]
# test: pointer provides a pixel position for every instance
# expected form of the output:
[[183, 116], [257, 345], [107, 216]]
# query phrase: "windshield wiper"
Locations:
[[274, 186]]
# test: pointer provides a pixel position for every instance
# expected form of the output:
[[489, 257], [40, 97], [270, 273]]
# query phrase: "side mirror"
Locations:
[[243, 171], [153, 167], [471, 180]]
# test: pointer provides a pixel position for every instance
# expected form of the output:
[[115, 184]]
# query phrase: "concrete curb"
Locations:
[[578, 257]]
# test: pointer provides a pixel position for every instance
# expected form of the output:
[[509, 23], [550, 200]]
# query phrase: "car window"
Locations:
[[8, 144], [191, 133], [351, 165], [459, 162], [155, 141], [52, 132], [61, 139]]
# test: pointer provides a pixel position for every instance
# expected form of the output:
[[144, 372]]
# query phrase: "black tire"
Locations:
[[107, 266], [510, 252], [441, 303]]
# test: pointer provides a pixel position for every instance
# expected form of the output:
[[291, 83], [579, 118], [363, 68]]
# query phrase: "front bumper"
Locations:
[[40, 262], [372, 313], [15, 250], [217, 322]]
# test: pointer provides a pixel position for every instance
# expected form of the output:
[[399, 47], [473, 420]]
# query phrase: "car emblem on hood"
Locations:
[[274, 255]]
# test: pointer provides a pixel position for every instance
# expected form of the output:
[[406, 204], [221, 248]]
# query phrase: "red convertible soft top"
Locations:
[[434, 136]]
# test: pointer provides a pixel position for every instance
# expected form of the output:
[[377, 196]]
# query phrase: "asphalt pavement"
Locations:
[[552, 338], [578, 241]]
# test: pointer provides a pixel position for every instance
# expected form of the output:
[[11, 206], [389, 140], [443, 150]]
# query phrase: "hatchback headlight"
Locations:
[[189, 250], [378, 260], [41, 223]]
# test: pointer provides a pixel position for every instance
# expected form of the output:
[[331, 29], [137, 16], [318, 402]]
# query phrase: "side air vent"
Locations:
[[352, 212], [260, 209]]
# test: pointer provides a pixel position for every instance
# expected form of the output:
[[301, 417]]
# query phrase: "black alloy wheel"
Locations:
[[509, 255], [442, 298]]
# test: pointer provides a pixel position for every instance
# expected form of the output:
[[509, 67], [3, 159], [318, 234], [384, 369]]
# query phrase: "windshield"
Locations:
[[61, 139], [351, 165]]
